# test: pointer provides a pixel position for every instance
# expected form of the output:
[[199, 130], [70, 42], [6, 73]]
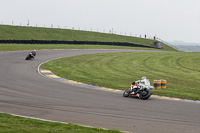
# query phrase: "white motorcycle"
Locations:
[[138, 91]]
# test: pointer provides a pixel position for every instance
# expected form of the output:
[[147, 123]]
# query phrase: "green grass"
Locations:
[[14, 47], [15, 124], [118, 70], [33, 33]]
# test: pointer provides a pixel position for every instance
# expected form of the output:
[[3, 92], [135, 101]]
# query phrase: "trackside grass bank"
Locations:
[[14, 47], [118, 70], [15, 124], [33, 33]]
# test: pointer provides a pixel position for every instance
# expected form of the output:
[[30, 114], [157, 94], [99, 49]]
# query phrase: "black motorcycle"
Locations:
[[29, 56]]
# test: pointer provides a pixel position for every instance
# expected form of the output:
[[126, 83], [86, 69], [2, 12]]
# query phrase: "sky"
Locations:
[[169, 20]]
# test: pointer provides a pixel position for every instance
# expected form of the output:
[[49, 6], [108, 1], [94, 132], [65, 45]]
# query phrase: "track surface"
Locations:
[[24, 91]]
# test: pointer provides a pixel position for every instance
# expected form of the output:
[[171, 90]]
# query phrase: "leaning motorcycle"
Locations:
[[29, 56], [138, 91]]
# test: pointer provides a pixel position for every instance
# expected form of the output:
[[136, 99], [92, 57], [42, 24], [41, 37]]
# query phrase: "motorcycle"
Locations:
[[138, 91], [29, 56]]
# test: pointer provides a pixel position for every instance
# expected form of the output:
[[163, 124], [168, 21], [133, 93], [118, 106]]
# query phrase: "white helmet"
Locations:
[[143, 77]]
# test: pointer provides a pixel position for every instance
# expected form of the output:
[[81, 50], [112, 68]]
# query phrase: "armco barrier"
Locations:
[[72, 42]]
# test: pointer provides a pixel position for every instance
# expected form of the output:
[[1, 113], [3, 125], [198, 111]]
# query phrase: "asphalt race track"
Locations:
[[24, 91]]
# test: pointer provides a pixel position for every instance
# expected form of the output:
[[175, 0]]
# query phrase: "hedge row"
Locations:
[[72, 42]]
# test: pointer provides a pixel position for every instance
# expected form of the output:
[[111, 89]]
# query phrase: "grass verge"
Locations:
[[14, 47], [118, 70], [16, 124]]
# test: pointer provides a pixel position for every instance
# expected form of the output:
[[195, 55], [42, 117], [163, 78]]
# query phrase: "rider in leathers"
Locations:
[[144, 82], [32, 53]]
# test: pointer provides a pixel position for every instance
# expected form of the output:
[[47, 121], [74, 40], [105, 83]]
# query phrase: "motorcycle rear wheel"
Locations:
[[145, 95]]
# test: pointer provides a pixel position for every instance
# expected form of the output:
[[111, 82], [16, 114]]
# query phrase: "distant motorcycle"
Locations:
[[138, 91], [31, 55]]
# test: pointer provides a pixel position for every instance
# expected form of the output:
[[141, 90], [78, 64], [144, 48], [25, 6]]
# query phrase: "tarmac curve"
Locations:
[[23, 91]]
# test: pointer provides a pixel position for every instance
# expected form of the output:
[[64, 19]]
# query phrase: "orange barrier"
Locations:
[[159, 84], [155, 84], [163, 83]]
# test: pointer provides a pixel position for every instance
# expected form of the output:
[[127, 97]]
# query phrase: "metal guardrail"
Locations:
[[168, 44]]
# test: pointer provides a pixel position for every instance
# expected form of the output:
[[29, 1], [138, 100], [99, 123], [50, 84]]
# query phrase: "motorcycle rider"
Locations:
[[33, 53], [144, 82]]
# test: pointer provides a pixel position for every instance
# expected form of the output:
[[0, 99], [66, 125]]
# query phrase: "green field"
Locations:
[[118, 70], [15, 124], [33, 33]]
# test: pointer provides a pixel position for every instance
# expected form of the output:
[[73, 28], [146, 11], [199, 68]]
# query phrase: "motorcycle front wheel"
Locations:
[[145, 94], [28, 57], [126, 93]]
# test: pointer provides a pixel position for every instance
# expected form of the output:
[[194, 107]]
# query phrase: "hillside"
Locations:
[[33, 33]]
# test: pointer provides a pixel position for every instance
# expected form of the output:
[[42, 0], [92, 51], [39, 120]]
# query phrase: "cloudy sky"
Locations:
[[166, 19]]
